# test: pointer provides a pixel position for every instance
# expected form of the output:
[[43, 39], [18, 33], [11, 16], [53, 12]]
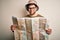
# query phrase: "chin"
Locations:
[[32, 14]]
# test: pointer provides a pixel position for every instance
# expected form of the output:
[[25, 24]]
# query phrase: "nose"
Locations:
[[31, 9]]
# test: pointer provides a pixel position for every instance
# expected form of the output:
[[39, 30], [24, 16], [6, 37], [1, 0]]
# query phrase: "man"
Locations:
[[32, 8]]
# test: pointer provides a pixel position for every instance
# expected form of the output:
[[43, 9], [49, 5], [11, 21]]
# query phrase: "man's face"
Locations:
[[32, 9]]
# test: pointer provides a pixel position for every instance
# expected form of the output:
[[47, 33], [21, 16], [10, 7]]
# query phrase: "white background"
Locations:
[[50, 9]]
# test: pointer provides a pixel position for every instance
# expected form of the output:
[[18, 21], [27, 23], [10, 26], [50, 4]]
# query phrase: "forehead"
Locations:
[[31, 5]]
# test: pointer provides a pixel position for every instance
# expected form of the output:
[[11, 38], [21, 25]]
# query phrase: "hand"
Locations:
[[48, 31], [13, 27]]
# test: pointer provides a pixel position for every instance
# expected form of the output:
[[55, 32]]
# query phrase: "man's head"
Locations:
[[32, 8]]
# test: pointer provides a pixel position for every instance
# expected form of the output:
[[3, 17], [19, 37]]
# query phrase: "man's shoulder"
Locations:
[[39, 15]]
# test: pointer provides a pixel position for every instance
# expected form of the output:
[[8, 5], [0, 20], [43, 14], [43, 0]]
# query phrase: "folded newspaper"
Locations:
[[30, 28]]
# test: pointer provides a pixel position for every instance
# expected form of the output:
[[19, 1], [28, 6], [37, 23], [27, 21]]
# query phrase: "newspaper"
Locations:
[[30, 28]]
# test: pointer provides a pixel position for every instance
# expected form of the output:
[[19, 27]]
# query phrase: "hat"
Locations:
[[32, 1]]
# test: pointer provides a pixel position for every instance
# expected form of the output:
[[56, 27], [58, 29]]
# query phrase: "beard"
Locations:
[[32, 13]]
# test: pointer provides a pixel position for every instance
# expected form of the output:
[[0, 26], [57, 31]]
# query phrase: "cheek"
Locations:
[[35, 10], [29, 10]]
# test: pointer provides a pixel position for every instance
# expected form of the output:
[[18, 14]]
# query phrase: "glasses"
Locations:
[[32, 8]]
